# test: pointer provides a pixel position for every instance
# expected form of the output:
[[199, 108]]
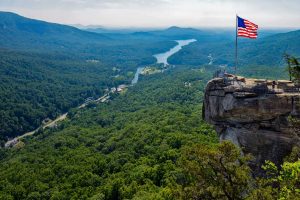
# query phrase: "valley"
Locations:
[[102, 114], [104, 98]]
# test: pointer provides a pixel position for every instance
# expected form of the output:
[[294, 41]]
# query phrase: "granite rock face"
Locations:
[[254, 114]]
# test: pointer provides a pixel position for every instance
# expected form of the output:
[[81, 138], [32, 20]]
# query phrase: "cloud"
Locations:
[[159, 13]]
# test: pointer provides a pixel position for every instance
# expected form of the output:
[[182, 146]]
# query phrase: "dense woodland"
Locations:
[[45, 68], [123, 149], [147, 143], [34, 87], [60, 69]]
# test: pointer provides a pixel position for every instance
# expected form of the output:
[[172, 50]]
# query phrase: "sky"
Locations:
[[159, 13]]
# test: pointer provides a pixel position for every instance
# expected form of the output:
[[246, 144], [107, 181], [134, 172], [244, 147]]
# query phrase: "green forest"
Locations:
[[147, 143], [34, 87], [46, 68], [39, 85]]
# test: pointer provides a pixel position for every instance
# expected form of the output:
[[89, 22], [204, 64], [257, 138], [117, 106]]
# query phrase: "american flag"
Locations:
[[246, 28]]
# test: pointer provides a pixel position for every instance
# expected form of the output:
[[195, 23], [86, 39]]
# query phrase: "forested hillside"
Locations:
[[147, 143], [266, 51], [127, 148], [36, 86], [24, 33], [39, 86], [46, 69]]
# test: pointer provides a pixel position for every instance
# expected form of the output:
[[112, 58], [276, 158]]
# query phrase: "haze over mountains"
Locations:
[[144, 141], [22, 33], [266, 51], [45, 46]]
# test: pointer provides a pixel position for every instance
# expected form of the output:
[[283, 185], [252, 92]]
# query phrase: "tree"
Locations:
[[216, 173], [294, 124], [293, 68], [221, 172], [280, 184]]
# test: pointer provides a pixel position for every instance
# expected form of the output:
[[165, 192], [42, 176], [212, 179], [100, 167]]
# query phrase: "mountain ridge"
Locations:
[[265, 51], [18, 32]]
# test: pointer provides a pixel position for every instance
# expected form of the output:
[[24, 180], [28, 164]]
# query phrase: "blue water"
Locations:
[[163, 57]]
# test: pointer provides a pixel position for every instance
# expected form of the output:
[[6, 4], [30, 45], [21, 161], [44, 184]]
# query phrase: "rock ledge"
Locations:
[[253, 113]]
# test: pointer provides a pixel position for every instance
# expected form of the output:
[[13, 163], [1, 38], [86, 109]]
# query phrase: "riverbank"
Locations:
[[161, 59]]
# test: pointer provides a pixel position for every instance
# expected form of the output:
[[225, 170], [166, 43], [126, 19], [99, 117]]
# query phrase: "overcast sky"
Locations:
[[159, 13]]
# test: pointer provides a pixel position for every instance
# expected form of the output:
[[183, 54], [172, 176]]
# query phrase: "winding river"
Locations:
[[162, 58]]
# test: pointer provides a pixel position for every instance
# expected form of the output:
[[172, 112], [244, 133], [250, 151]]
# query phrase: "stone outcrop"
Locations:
[[254, 114]]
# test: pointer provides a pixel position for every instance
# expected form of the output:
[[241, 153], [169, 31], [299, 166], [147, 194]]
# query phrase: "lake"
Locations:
[[162, 58]]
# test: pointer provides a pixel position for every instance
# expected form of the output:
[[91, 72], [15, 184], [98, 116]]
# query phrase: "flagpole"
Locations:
[[236, 43]]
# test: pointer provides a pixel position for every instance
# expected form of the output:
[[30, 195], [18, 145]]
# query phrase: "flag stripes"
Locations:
[[246, 29]]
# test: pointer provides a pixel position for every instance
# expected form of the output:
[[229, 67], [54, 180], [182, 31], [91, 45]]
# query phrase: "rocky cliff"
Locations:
[[254, 114]]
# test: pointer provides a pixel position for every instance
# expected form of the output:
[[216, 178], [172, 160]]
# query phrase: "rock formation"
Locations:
[[254, 114]]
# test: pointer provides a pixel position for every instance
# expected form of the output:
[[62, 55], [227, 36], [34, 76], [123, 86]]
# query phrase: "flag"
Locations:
[[246, 28]]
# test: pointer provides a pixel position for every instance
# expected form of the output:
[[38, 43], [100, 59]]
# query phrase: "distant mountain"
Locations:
[[171, 33], [84, 27], [270, 50], [209, 34], [175, 30], [177, 33], [115, 30], [266, 51], [23, 33], [269, 32], [203, 36], [98, 30]]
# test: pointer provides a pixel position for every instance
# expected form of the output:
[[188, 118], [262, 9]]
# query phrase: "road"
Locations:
[[62, 117], [161, 58]]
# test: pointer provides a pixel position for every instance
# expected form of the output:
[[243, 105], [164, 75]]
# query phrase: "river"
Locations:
[[162, 58]]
